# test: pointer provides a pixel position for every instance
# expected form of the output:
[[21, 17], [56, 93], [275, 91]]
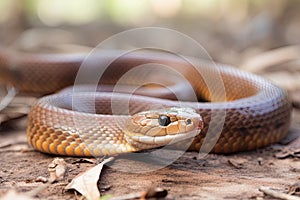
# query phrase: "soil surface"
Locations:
[[262, 38], [236, 176]]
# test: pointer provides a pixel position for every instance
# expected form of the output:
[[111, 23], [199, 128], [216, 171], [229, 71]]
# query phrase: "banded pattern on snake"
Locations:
[[256, 112]]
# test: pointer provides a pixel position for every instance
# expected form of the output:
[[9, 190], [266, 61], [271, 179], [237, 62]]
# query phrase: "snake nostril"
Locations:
[[200, 125]]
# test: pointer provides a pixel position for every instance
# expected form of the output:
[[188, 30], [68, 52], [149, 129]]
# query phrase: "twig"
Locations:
[[270, 58], [278, 195], [11, 93]]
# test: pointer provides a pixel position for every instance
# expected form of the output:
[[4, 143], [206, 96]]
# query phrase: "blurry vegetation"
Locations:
[[219, 25], [141, 12]]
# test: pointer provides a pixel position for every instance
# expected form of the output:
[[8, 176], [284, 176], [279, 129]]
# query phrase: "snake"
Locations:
[[251, 111]]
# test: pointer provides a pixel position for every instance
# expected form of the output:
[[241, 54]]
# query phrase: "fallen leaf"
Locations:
[[294, 189], [288, 152], [57, 169], [41, 179], [237, 163], [86, 183]]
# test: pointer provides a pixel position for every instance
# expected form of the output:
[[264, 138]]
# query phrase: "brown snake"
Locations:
[[256, 112]]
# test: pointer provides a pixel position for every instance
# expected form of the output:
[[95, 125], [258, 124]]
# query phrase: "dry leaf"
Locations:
[[294, 189], [57, 169], [41, 179], [237, 163], [288, 152], [86, 183]]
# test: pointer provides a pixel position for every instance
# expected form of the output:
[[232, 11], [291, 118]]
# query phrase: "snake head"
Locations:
[[150, 129]]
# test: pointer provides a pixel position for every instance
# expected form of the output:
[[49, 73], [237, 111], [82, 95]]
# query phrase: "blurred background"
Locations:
[[230, 30], [255, 35]]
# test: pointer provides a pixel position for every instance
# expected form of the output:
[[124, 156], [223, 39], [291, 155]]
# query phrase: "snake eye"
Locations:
[[188, 121], [164, 120]]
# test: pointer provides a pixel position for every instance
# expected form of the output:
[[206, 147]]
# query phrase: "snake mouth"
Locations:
[[150, 142], [156, 141]]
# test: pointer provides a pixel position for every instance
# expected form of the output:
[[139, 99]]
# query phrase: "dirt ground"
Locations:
[[262, 41], [237, 176]]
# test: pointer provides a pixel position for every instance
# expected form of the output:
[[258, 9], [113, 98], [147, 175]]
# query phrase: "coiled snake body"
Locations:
[[256, 113]]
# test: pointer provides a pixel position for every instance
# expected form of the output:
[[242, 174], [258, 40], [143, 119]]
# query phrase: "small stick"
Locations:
[[11, 93], [278, 195]]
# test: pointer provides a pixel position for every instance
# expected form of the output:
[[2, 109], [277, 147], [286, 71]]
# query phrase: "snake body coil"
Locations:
[[256, 113]]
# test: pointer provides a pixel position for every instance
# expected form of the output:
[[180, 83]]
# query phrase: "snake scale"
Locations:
[[256, 113]]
